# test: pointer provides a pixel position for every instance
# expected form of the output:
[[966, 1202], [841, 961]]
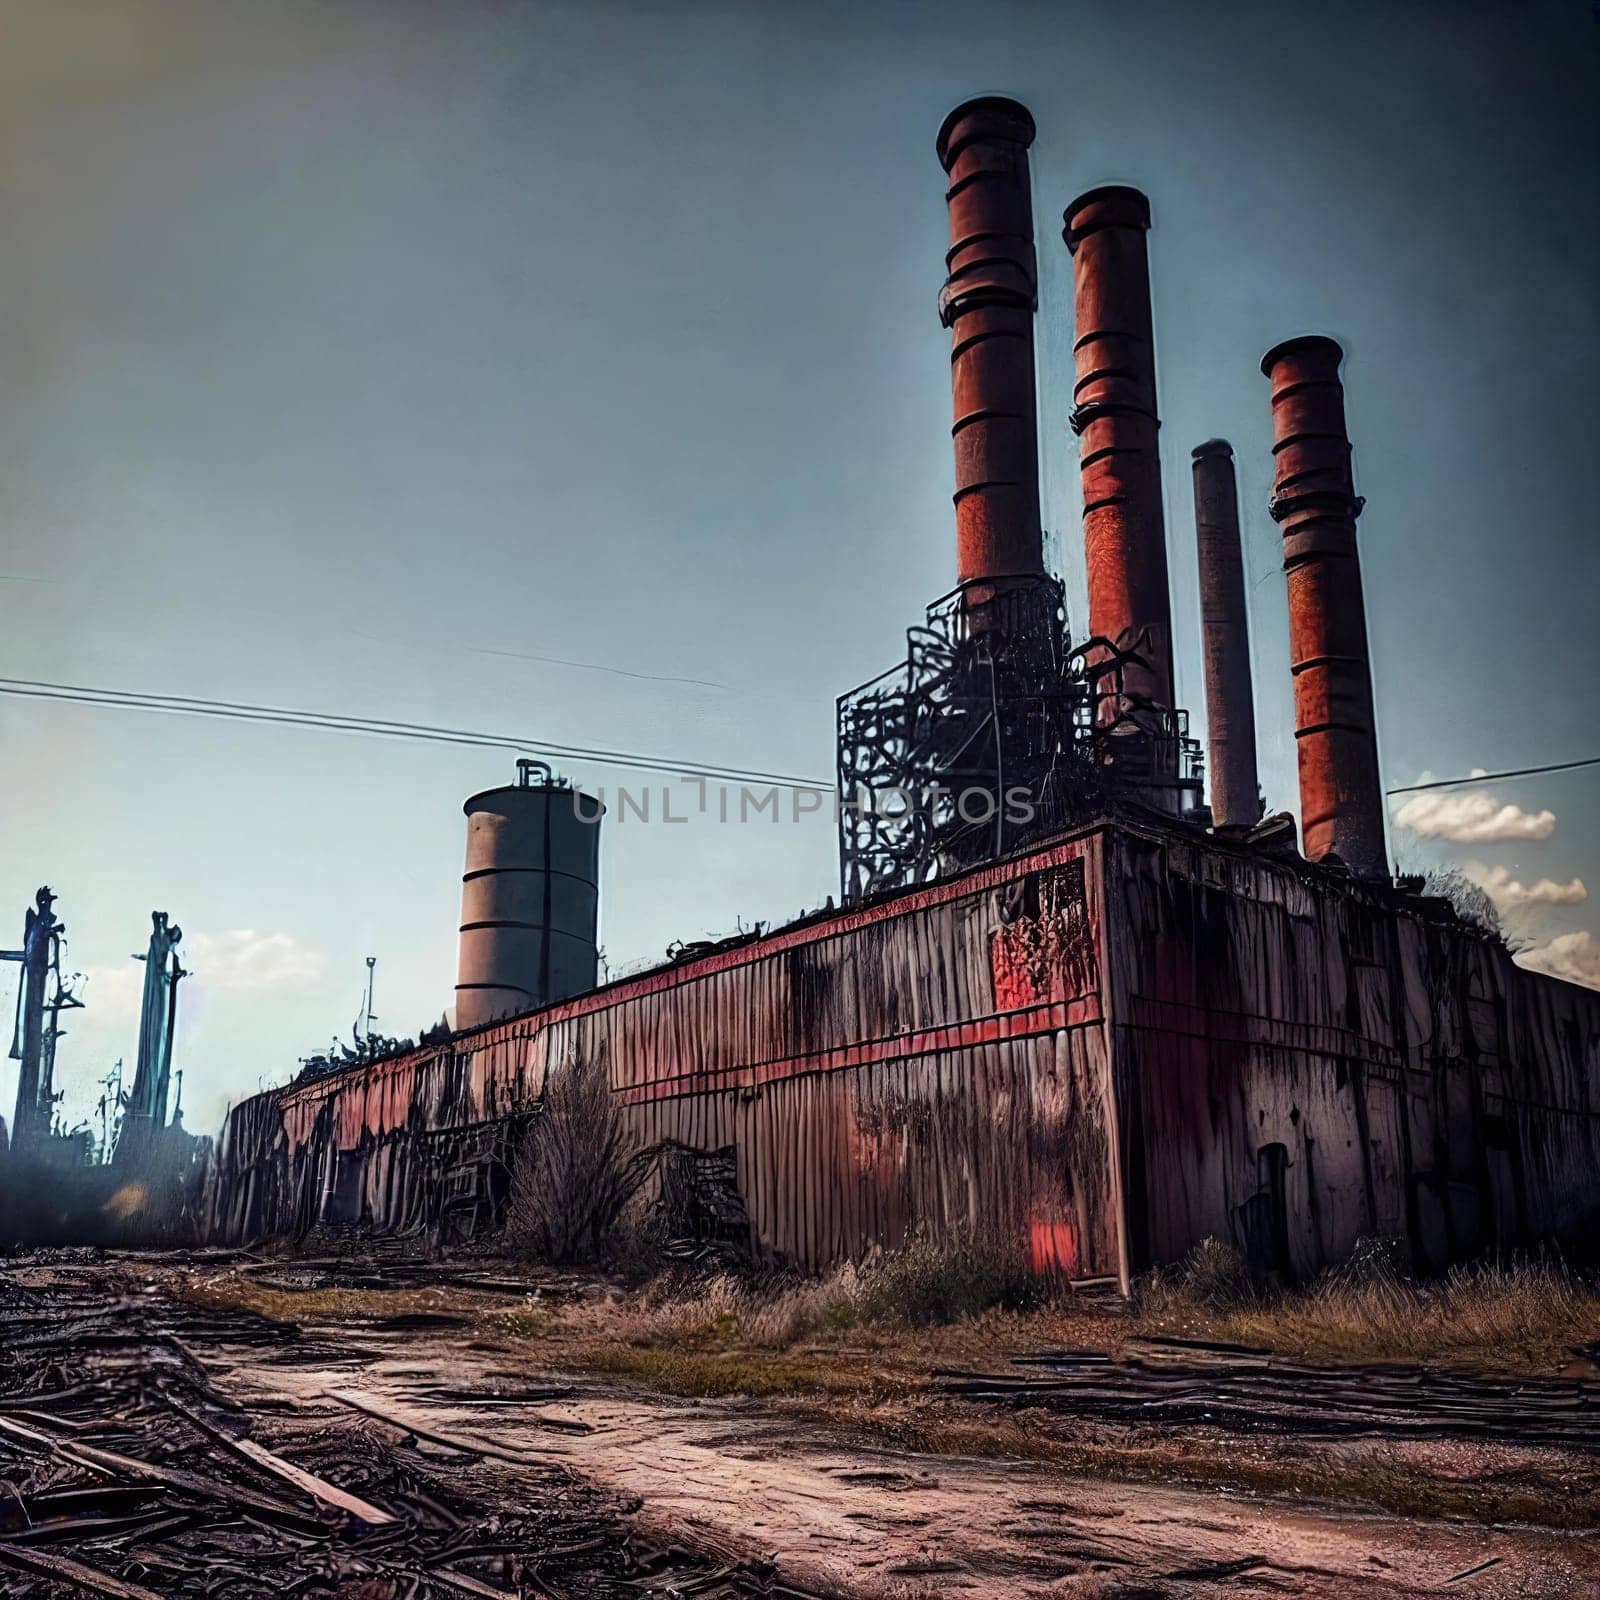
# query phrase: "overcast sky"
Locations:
[[502, 365]]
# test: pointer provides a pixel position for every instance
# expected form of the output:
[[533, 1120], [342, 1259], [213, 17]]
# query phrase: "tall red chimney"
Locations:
[[1114, 413], [1314, 499], [1230, 709], [988, 303]]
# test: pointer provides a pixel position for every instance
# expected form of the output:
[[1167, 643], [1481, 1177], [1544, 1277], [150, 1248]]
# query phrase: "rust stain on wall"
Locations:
[[1044, 950], [1106, 1050]]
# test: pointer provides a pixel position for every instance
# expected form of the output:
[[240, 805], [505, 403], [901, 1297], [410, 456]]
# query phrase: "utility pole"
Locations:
[[372, 1016], [110, 1111], [62, 998], [362, 1032], [39, 953], [158, 1014], [175, 972]]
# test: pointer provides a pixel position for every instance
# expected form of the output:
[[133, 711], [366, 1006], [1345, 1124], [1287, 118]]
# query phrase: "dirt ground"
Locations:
[[897, 1466]]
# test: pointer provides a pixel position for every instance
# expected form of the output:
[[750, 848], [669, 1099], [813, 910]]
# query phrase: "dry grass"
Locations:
[[1368, 1477], [232, 1292], [851, 1353], [1529, 1317], [926, 1285], [967, 1304], [926, 1307]]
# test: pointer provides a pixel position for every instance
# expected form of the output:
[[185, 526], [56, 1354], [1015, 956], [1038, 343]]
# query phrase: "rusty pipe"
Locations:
[[988, 303], [1114, 415], [1225, 636], [1315, 503]]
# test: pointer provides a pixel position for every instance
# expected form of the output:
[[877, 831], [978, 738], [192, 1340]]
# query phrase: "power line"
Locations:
[[338, 722], [331, 722], [595, 666], [1489, 777]]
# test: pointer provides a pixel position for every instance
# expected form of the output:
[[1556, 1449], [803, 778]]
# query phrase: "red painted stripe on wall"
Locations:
[[1054, 1017], [526, 1025]]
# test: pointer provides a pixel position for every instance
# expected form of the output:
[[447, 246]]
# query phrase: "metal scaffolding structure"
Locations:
[[993, 733], [986, 708]]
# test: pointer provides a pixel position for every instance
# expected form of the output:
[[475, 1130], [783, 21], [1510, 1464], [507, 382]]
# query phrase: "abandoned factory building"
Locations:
[[1131, 1014]]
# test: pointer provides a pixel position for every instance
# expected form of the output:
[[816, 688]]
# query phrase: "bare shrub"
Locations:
[[1372, 1260], [937, 1279], [575, 1171], [639, 1239], [1212, 1278]]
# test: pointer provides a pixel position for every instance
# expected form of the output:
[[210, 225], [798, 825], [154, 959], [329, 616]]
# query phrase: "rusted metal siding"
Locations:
[[1135, 1021], [938, 1059], [1419, 1086]]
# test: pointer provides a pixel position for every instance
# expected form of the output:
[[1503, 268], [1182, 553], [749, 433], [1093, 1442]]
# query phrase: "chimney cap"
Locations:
[[1303, 342], [1212, 447], [1001, 118], [1112, 205]]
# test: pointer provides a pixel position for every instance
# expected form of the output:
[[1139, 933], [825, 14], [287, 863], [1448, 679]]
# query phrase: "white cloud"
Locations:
[[237, 961], [1573, 956], [244, 959], [1472, 818], [1506, 891], [113, 994]]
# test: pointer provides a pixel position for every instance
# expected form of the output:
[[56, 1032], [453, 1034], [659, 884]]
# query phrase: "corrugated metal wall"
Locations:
[[939, 1059], [1301, 1054], [1298, 1061]]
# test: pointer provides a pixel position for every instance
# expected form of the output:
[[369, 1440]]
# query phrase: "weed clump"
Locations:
[[1214, 1275], [1211, 1281], [929, 1281], [575, 1172], [933, 1280]]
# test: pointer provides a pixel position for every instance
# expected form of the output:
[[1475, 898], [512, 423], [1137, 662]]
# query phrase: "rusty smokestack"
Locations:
[[1225, 633], [987, 303], [1114, 414], [1314, 501]]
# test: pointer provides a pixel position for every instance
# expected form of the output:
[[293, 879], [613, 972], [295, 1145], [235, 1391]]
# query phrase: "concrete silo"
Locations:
[[530, 897]]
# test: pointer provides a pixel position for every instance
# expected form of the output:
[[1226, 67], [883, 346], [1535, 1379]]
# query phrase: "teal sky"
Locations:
[[363, 356]]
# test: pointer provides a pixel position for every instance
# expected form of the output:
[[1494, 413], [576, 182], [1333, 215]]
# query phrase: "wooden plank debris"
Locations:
[[470, 1444], [63, 1569], [1187, 1383], [126, 1473], [257, 1453]]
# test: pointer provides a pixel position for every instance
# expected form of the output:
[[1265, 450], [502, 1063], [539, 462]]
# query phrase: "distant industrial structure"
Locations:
[[1064, 1000], [58, 1183], [144, 1115], [42, 995], [530, 897]]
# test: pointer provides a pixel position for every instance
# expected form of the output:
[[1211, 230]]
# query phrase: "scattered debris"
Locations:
[[1180, 1382], [125, 1472]]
